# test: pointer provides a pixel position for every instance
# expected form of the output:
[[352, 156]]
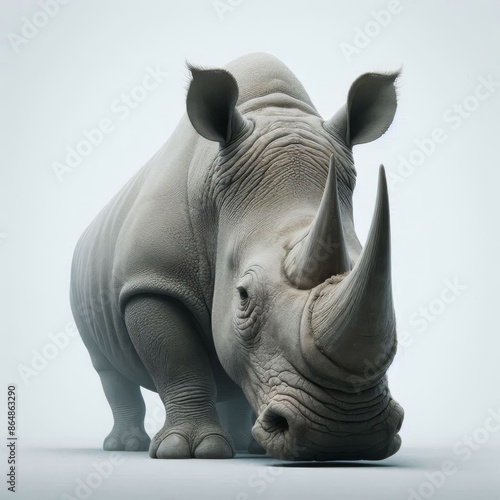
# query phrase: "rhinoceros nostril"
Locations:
[[274, 422]]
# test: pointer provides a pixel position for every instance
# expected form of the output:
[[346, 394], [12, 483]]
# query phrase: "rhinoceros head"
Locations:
[[302, 316]]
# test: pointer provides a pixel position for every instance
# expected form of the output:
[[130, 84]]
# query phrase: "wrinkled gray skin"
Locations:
[[228, 270]]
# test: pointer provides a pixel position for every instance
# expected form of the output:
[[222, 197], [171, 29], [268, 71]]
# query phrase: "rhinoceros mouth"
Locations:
[[287, 434]]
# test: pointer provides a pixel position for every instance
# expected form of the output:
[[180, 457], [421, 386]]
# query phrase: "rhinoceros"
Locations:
[[227, 276]]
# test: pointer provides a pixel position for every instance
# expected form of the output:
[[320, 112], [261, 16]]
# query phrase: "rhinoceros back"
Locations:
[[262, 74]]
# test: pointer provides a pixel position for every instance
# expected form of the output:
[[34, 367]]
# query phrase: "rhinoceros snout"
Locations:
[[284, 432]]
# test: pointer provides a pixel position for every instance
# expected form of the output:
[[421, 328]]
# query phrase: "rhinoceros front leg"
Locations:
[[168, 343]]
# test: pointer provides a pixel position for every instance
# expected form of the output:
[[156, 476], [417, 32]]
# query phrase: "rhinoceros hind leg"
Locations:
[[169, 344], [128, 409], [126, 402]]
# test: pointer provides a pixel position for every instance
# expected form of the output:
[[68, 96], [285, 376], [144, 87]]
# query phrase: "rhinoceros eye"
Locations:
[[249, 307], [243, 293], [243, 288]]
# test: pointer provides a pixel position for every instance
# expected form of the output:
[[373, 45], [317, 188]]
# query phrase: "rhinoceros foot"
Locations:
[[192, 441], [126, 439]]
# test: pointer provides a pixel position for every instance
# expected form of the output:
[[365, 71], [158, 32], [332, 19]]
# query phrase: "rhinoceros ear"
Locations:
[[369, 111], [211, 105]]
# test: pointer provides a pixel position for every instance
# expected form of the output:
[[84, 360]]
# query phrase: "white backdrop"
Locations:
[[66, 71]]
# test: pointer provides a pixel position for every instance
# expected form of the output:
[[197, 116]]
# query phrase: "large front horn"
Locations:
[[322, 253], [353, 322]]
